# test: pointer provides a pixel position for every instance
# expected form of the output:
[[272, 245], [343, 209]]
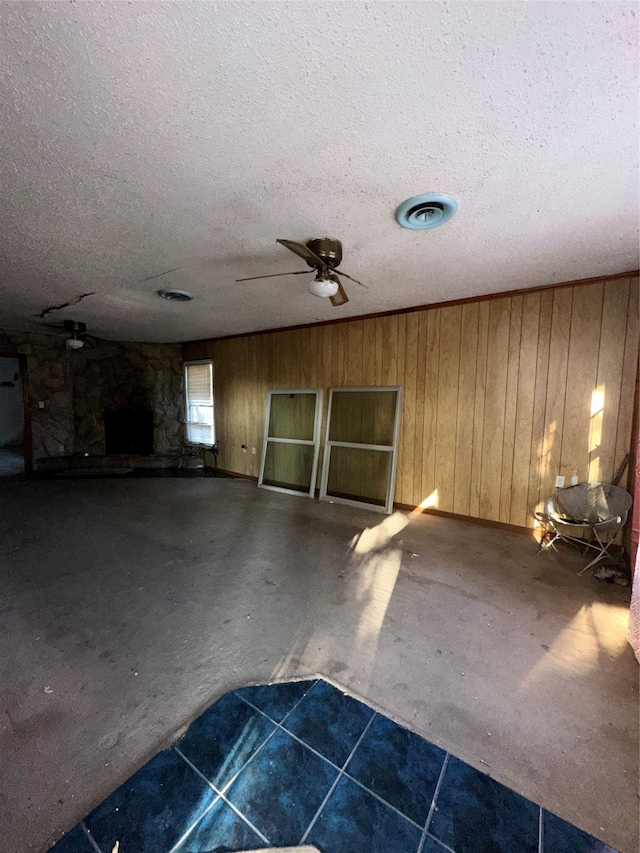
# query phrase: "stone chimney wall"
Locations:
[[77, 386]]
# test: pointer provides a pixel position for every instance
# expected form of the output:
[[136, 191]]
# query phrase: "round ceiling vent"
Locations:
[[175, 295], [426, 211]]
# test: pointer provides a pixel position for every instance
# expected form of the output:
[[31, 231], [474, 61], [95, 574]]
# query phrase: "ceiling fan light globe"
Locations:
[[323, 287], [74, 343]]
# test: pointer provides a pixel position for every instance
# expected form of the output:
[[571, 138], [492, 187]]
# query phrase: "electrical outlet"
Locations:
[[559, 481], [253, 451], [41, 404], [61, 448]]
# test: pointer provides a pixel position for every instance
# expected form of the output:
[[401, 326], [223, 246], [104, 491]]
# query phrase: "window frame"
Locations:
[[187, 422], [314, 442], [383, 448]]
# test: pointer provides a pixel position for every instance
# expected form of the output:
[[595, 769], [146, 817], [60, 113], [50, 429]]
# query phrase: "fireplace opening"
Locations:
[[128, 432]]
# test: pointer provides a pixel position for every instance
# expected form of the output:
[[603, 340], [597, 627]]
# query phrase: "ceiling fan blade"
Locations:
[[341, 297], [275, 275], [354, 279], [303, 251], [93, 340]]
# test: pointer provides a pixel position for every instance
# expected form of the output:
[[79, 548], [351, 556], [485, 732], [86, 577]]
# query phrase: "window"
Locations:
[[198, 388], [291, 441], [360, 449]]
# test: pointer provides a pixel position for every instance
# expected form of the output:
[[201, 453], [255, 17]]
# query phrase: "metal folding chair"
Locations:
[[587, 515]]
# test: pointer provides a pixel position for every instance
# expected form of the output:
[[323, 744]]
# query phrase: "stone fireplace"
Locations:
[[107, 405]]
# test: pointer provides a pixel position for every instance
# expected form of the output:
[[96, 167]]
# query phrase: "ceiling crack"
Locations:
[[47, 311], [158, 275]]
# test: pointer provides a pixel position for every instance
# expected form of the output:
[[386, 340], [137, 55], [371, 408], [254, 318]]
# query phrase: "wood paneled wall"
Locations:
[[500, 395]]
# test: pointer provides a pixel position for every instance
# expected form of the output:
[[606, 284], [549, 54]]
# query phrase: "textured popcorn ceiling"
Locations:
[[145, 137]]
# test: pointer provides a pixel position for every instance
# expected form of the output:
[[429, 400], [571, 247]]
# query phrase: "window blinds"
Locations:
[[199, 403]]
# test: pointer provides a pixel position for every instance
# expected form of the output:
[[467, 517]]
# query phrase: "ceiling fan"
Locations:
[[78, 335], [323, 255]]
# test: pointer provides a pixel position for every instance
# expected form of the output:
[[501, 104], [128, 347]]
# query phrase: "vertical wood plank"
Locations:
[[323, 381], [628, 383], [336, 372], [326, 356], [431, 368], [379, 352], [343, 354], [464, 414], [252, 400], [519, 512], [447, 405], [419, 455], [355, 332], [537, 458], [478, 409], [389, 326], [230, 412], [409, 428], [285, 353], [369, 353], [401, 348], [219, 375], [511, 397], [494, 408], [245, 454], [271, 359], [263, 354], [309, 357]]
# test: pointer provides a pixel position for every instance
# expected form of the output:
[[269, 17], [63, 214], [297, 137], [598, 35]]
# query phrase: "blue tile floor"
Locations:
[[304, 762]]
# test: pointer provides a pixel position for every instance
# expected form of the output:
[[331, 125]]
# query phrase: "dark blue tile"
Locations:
[[282, 788], [224, 738], [399, 766], [220, 831], [329, 721], [562, 837], [433, 846], [355, 821], [73, 842], [276, 700], [153, 809], [476, 814]]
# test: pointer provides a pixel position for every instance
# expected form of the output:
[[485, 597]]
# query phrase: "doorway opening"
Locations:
[[12, 432]]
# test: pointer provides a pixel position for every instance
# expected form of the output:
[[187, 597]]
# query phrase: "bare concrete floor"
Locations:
[[139, 602]]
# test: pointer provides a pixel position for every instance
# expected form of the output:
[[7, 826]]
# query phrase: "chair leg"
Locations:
[[601, 555], [547, 542], [604, 551]]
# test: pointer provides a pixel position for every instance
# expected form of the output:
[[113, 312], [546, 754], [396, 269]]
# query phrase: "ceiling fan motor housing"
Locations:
[[74, 326], [328, 250]]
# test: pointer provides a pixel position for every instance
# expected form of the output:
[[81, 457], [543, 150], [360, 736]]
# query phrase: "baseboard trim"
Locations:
[[233, 474], [485, 522], [472, 519]]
